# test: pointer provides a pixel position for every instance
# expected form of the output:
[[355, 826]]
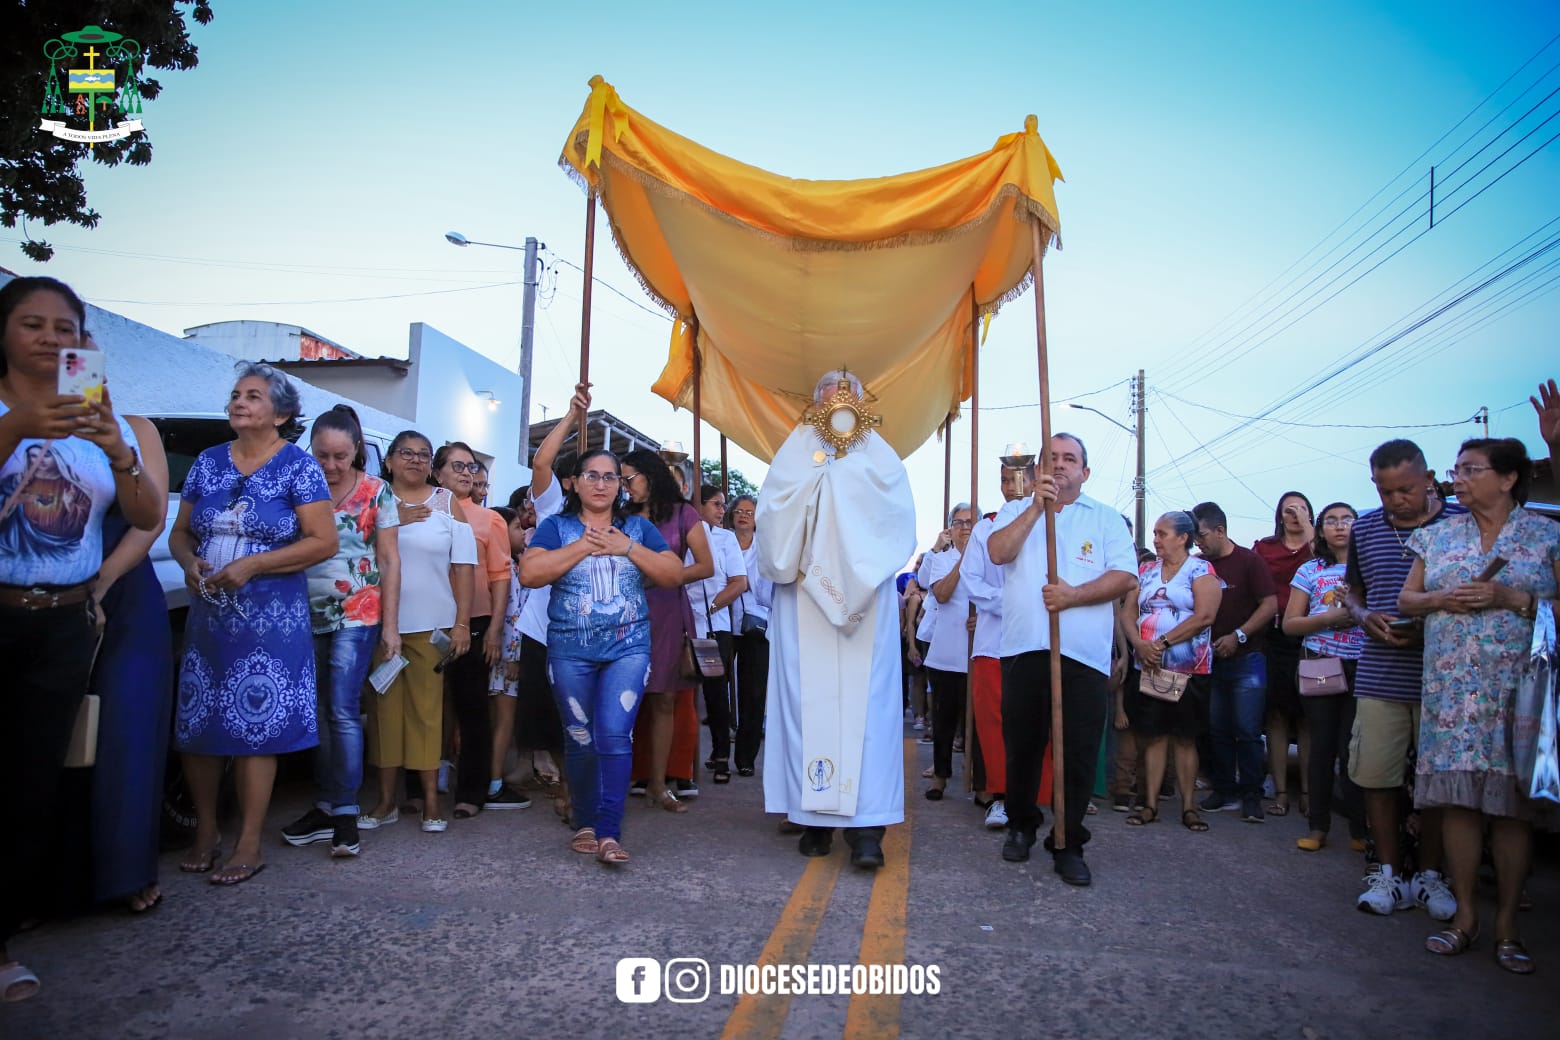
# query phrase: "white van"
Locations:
[[184, 437]]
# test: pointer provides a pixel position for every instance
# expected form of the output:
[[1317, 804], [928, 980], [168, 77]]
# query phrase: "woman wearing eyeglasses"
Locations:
[[455, 468], [1318, 615], [948, 656], [598, 561], [438, 556], [1478, 633], [674, 723], [256, 513]]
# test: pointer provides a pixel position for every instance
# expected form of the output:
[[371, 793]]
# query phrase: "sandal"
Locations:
[[1281, 806], [140, 903], [204, 861], [610, 852], [722, 773], [1513, 956], [584, 841], [1449, 942], [668, 801], [1192, 820], [465, 811], [236, 873], [17, 983], [1143, 817]]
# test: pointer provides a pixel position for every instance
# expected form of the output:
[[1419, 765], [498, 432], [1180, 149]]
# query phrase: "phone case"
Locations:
[[81, 372]]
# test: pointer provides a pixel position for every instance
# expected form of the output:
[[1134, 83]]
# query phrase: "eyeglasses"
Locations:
[[1338, 521], [631, 476], [1466, 469], [408, 455], [745, 513], [463, 467], [962, 523], [600, 479]]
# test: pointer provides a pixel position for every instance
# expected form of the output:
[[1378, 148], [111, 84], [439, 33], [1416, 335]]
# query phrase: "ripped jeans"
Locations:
[[598, 701]]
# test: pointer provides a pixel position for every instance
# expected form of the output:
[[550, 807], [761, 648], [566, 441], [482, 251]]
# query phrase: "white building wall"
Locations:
[[448, 376]]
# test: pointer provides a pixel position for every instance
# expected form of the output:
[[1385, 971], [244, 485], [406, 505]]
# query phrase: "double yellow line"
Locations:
[[882, 940]]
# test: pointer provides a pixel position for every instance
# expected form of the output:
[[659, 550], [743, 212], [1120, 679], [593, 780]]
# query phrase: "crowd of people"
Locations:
[[402, 630]]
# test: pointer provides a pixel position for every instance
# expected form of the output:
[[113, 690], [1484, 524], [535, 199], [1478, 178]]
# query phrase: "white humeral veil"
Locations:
[[835, 532]]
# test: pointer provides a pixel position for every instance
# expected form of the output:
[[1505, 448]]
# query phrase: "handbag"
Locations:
[[82, 751], [1163, 685], [700, 657], [1322, 677]]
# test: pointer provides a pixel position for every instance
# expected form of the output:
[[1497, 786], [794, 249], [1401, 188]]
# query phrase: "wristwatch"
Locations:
[[1240, 637]]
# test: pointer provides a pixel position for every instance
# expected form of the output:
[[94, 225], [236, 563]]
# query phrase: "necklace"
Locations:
[[356, 480]]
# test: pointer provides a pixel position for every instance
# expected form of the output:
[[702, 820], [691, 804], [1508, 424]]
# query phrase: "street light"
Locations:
[[527, 327], [1140, 481]]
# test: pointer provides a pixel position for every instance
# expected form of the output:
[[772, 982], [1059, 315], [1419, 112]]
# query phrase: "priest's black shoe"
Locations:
[[866, 846], [1016, 848], [816, 841], [1070, 865]]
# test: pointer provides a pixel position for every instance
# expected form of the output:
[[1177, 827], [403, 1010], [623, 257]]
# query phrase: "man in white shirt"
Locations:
[[1096, 566], [982, 582], [948, 655], [711, 600]]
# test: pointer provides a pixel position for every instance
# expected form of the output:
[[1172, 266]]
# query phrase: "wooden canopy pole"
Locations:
[[590, 278], [947, 470], [1058, 772], [696, 479], [971, 744], [725, 479]]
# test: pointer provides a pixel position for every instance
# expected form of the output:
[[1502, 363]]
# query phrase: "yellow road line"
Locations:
[[760, 1017], [883, 935]]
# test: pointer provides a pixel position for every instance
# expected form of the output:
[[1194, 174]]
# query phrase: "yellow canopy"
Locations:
[[789, 278]]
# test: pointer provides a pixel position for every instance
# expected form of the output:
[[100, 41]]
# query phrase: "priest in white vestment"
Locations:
[[836, 525]]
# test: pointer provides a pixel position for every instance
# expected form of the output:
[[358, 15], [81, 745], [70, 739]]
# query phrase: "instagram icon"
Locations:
[[687, 980]]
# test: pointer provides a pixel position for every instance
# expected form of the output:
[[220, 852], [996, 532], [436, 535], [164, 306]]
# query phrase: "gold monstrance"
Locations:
[[842, 420]]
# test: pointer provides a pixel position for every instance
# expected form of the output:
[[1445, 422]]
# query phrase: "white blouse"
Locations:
[[428, 548]]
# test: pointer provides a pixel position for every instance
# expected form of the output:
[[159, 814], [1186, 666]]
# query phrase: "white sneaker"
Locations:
[[996, 815], [1384, 893], [1432, 894]]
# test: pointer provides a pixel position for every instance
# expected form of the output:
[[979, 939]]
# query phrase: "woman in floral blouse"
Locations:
[[353, 602], [1478, 631]]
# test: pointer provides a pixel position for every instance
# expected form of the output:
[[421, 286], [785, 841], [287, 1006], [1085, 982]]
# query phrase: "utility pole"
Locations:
[[1140, 482], [1483, 416], [527, 333]]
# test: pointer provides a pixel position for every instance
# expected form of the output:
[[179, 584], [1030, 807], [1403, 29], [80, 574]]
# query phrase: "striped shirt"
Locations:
[[1379, 562]]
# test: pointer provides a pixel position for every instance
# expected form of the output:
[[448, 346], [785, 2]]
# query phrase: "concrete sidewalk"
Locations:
[[496, 930]]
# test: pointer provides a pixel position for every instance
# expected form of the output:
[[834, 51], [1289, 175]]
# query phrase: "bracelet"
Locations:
[[1529, 612], [133, 470], [462, 625]]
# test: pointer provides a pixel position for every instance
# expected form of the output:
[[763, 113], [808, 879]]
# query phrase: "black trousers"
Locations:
[[948, 689], [537, 724], [468, 687], [717, 701], [1026, 727], [752, 650], [1332, 720], [47, 656]]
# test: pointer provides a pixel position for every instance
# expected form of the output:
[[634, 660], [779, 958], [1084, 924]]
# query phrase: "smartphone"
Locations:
[[1402, 623], [439, 640], [81, 372]]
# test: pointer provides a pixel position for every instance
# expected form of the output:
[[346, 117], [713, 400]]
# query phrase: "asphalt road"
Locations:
[[496, 930]]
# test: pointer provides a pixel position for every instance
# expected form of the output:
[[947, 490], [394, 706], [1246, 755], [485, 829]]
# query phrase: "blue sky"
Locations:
[[320, 151]]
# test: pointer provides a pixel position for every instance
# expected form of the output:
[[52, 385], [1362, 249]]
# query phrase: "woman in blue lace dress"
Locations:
[[256, 514]]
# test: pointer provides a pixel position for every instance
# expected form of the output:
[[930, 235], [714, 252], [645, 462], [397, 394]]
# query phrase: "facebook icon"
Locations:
[[638, 980]]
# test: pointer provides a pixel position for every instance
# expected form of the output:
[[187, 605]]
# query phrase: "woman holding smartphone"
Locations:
[[63, 462], [438, 556], [598, 561]]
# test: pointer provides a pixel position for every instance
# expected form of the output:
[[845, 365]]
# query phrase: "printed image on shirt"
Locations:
[[1164, 604], [44, 506]]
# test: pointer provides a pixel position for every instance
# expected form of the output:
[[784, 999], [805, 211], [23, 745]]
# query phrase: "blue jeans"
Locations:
[[341, 663], [1235, 712], [598, 701]]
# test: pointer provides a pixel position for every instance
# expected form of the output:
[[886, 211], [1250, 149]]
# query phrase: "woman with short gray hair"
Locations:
[[256, 513]]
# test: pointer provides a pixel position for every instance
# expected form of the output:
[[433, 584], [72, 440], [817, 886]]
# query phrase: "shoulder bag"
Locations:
[[1163, 685], [700, 657], [1321, 677]]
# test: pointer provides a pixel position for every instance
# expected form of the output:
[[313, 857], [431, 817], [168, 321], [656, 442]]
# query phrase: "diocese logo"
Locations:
[[94, 105], [820, 771]]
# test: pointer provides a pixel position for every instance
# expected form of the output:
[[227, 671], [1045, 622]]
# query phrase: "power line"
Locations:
[[1172, 413], [1315, 426], [614, 289], [303, 303]]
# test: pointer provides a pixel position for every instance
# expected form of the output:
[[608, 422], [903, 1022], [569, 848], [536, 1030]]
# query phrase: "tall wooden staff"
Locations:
[[947, 470], [971, 743], [590, 278], [1058, 802], [697, 478]]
